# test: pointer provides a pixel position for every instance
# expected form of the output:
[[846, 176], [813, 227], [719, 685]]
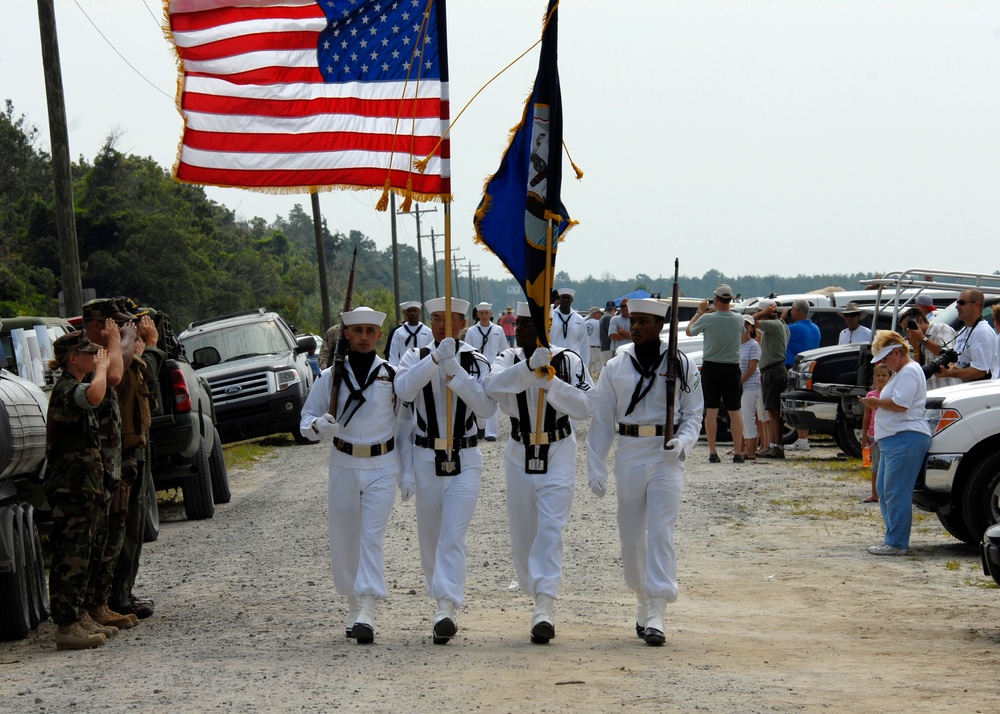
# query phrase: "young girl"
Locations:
[[750, 379], [879, 378], [74, 484]]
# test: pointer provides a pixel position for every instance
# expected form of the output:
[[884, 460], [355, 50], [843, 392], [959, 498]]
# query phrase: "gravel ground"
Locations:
[[781, 609]]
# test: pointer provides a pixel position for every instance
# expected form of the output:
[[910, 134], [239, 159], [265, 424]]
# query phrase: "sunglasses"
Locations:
[[963, 303]]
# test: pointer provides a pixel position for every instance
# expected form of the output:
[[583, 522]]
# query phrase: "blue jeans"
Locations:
[[901, 458]]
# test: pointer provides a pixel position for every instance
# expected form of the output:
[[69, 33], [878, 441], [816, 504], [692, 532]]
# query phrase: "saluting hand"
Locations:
[[101, 360]]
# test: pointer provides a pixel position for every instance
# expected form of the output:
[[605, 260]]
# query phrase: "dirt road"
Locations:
[[781, 609]]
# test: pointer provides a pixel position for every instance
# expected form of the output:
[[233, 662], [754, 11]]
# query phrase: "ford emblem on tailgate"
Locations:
[[234, 390]]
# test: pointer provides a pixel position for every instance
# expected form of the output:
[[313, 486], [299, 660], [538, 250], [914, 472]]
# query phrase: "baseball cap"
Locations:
[[103, 308], [765, 303], [72, 342], [925, 301], [609, 303], [724, 291]]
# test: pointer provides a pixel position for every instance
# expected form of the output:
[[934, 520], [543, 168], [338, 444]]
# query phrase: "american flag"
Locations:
[[296, 94]]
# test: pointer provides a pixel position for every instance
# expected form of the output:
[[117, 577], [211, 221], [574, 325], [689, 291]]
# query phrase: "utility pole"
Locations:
[[472, 292], [324, 287], [454, 260], [69, 252], [434, 259], [420, 255]]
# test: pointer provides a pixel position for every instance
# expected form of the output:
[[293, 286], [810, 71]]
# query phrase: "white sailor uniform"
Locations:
[[648, 479], [540, 478], [364, 469], [406, 337], [445, 503], [570, 331], [490, 341]]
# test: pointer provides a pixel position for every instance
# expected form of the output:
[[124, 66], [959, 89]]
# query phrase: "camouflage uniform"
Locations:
[[111, 521], [74, 484]]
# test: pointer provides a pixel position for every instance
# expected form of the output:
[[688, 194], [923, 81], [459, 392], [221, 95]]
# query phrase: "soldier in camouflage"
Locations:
[[74, 484]]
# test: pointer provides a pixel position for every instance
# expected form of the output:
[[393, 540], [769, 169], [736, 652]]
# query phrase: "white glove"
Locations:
[[451, 366], [326, 426], [444, 350], [673, 450], [541, 357], [407, 488], [599, 486]]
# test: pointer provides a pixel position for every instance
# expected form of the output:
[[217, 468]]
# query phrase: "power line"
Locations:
[[77, 3], [158, 23]]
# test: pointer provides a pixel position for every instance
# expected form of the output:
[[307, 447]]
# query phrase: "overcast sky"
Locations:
[[746, 137]]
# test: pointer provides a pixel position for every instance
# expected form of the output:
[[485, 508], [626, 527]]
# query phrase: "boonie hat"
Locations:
[[457, 305], [73, 342], [851, 308], [649, 307], [724, 291], [363, 316]]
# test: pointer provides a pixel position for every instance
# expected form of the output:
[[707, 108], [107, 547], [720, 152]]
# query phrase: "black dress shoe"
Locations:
[[363, 633], [139, 607], [444, 630], [654, 637], [542, 633], [640, 631], [491, 438]]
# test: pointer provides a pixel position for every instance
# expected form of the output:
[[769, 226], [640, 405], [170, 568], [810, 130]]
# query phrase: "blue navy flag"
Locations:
[[523, 195]]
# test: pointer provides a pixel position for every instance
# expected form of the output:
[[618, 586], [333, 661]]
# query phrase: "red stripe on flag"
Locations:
[[316, 141], [206, 19], [373, 178], [213, 104], [261, 42], [269, 75]]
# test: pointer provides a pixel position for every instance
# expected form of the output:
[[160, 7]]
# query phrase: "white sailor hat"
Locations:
[[363, 316], [437, 305], [404, 306], [523, 310], [649, 307], [567, 291], [484, 306]]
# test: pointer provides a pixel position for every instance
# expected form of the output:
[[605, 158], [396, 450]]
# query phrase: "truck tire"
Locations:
[[151, 524], [980, 505], [220, 474], [197, 487], [15, 607], [31, 568], [954, 524], [847, 437], [41, 574]]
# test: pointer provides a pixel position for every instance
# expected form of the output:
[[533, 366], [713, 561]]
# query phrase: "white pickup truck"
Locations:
[[961, 482]]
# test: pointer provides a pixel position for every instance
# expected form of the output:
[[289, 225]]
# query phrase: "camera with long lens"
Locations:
[[945, 358]]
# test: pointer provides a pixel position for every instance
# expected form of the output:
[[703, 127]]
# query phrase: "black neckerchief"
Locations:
[[647, 359], [565, 324], [361, 364], [485, 336], [410, 336]]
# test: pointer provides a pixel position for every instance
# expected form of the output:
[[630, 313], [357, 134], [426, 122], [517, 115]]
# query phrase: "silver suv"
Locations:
[[257, 369]]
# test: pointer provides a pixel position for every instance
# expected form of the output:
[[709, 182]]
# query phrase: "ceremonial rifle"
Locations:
[[340, 353], [668, 428]]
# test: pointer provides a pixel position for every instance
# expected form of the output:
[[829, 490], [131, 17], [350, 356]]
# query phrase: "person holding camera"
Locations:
[[976, 342], [929, 341]]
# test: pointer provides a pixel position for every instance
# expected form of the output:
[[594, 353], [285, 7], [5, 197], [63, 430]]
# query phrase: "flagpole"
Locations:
[[449, 321], [547, 282]]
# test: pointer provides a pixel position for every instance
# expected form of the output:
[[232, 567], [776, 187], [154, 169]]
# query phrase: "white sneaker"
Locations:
[[885, 549], [800, 445]]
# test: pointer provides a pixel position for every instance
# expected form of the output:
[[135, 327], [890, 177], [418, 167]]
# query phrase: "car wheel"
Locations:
[[151, 524], [981, 498], [198, 503], [220, 474], [847, 437], [955, 524], [15, 615]]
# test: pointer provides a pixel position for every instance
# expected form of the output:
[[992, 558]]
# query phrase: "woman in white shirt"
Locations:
[[903, 436]]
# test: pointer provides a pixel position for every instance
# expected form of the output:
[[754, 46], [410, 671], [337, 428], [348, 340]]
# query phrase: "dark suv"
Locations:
[[258, 371]]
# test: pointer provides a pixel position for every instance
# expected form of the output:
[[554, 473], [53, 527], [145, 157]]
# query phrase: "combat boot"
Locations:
[[445, 622], [654, 625], [74, 637], [104, 615], [88, 625], [364, 628], [543, 626]]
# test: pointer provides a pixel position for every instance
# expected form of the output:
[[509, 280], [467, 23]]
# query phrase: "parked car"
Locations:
[[990, 551], [257, 369], [55, 328], [185, 446], [961, 481]]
